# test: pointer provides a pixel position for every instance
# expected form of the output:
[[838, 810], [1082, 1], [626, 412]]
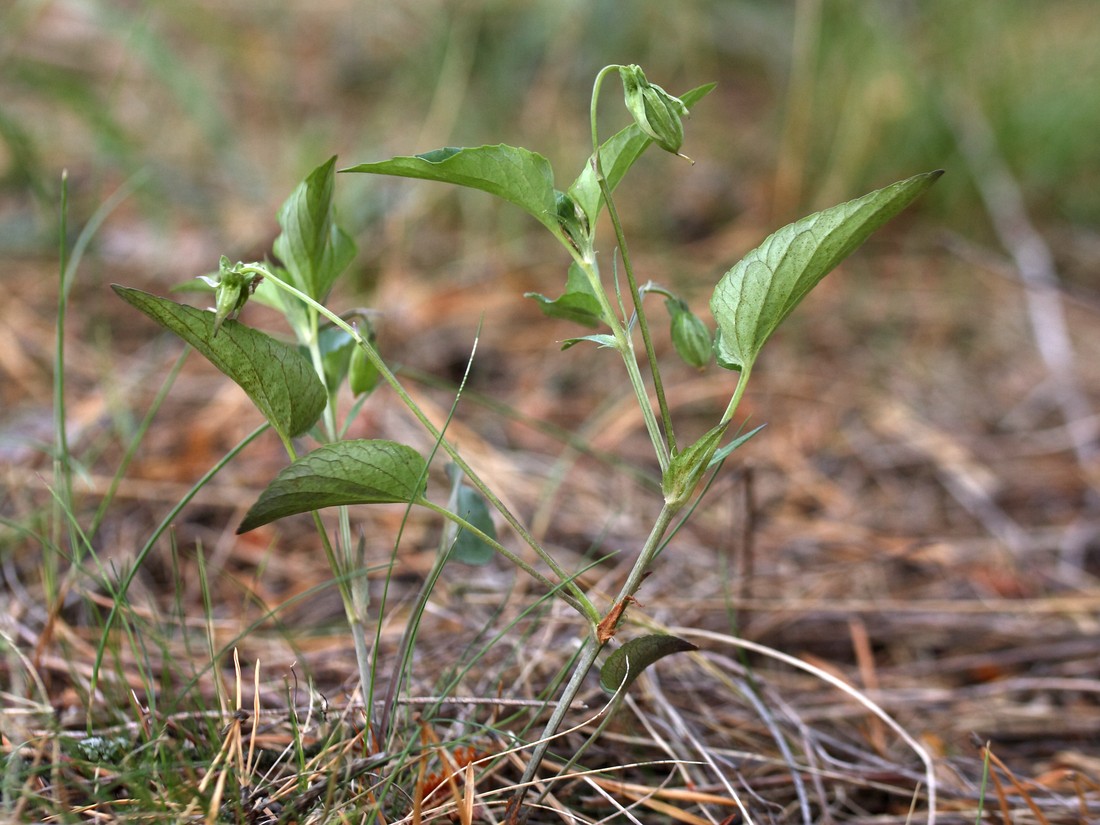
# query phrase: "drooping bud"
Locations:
[[657, 113], [690, 335], [232, 288]]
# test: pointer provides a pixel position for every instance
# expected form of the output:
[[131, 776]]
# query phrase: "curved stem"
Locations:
[[663, 446], [738, 392]]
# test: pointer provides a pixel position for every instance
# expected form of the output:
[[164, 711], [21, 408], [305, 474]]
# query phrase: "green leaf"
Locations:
[[578, 303], [759, 292], [469, 548], [346, 472], [363, 375], [312, 247], [514, 174], [602, 339], [617, 154], [627, 663], [687, 466], [724, 453], [336, 352], [280, 382]]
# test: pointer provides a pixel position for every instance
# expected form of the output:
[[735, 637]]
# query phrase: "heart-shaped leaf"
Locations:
[[346, 472], [760, 291], [279, 380], [627, 663], [312, 247], [617, 154], [515, 174]]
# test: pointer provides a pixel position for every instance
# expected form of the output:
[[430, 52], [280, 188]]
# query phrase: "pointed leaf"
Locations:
[[578, 303], [724, 453], [687, 467], [627, 663], [312, 247], [517, 175], [617, 154], [346, 472], [602, 339], [760, 291], [280, 382]]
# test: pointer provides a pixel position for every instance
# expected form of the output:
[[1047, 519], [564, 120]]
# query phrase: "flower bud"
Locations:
[[657, 113], [232, 288], [690, 335]]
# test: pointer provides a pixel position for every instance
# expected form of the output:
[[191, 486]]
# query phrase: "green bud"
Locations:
[[657, 113], [232, 288], [690, 335]]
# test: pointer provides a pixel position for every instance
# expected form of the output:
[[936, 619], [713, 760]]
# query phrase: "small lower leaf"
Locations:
[[578, 303], [469, 548], [627, 663], [348, 472]]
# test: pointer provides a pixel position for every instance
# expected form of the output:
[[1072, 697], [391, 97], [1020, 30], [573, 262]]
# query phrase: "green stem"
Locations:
[[663, 445], [739, 390], [402, 393], [346, 563], [636, 297], [591, 650]]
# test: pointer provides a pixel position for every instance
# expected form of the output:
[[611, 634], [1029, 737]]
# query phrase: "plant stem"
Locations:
[[591, 650], [636, 297], [580, 598], [665, 445], [738, 392]]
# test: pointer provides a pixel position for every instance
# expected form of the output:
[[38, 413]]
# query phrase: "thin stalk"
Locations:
[[625, 347], [590, 651], [353, 589], [636, 297], [62, 471], [67, 266], [738, 392], [579, 596], [665, 445]]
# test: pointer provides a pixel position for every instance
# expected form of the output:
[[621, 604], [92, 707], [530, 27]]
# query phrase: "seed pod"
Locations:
[[657, 113], [690, 335]]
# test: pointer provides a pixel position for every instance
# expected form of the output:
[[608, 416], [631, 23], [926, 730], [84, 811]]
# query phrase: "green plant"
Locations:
[[296, 386]]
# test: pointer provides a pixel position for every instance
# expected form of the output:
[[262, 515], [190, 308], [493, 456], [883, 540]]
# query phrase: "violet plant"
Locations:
[[295, 386]]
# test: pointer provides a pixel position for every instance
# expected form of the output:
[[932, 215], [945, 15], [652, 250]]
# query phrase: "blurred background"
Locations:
[[223, 107], [931, 408]]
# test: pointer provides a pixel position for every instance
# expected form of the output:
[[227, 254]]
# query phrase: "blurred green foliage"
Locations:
[[226, 105]]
